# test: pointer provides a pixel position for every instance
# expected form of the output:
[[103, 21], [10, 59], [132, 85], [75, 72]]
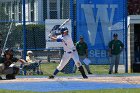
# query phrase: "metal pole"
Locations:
[[126, 13], [24, 30], [72, 18]]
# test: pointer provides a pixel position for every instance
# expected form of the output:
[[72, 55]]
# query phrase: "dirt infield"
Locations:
[[105, 79]]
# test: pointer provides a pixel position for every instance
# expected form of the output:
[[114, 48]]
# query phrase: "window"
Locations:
[[32, 10], [56, 9], [134, 7], [53, 9], [7, 10], [53, 14], [44, 9], [65, 8], [20, 10], [13, 10]]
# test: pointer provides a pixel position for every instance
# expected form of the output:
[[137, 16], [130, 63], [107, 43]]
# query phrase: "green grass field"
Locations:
[[88, 91], [49, 68]]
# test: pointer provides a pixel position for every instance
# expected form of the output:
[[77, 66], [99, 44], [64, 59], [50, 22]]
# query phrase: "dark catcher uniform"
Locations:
[[10, 72], [6, 68]]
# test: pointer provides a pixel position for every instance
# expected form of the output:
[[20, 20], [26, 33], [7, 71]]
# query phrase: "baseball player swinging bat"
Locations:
[[56, 28]]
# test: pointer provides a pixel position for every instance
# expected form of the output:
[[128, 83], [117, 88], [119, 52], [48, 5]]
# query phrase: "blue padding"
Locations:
[[64, 86]]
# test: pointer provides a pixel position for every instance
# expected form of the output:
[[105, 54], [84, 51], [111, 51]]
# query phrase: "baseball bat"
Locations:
[[64, 23]]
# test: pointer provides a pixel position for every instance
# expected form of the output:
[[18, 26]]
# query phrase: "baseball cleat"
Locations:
[[85, 77], [51, 77], [89, 73], [0, 78], [10, 76]]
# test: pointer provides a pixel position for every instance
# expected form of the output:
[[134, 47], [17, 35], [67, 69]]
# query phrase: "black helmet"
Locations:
[[115, 35], [63, 29], [9, 51]]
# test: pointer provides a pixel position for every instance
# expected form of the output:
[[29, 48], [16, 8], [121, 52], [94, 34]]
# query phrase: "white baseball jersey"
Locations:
[[67, 43], [69, 51]]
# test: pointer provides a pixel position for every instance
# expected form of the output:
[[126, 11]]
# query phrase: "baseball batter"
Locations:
[[69, 52]]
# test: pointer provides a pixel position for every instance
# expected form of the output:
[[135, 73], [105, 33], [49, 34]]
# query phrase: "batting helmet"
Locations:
[[64, 29]]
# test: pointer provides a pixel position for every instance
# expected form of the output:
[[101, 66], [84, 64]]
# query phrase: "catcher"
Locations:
[[7, 66]]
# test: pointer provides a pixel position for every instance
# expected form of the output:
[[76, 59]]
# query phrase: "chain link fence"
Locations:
[[36, 13]]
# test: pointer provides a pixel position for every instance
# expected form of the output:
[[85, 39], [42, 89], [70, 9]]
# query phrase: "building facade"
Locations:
[[36, 10]]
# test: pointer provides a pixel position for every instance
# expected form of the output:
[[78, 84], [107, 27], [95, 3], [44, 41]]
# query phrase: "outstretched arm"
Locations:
[[54, 38]]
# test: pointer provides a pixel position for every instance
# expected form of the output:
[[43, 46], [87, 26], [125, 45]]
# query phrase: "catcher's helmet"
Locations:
[[64, 29], [8, 51]]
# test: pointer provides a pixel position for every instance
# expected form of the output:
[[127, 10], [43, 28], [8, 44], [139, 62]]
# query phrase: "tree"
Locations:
[[4, 24], [3, 16]]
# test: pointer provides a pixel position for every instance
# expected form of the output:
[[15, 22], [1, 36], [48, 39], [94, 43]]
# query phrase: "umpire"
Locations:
[[115, 49], [5, 63]]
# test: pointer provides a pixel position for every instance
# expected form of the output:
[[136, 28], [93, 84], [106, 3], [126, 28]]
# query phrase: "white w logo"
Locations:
[[102, 15]]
